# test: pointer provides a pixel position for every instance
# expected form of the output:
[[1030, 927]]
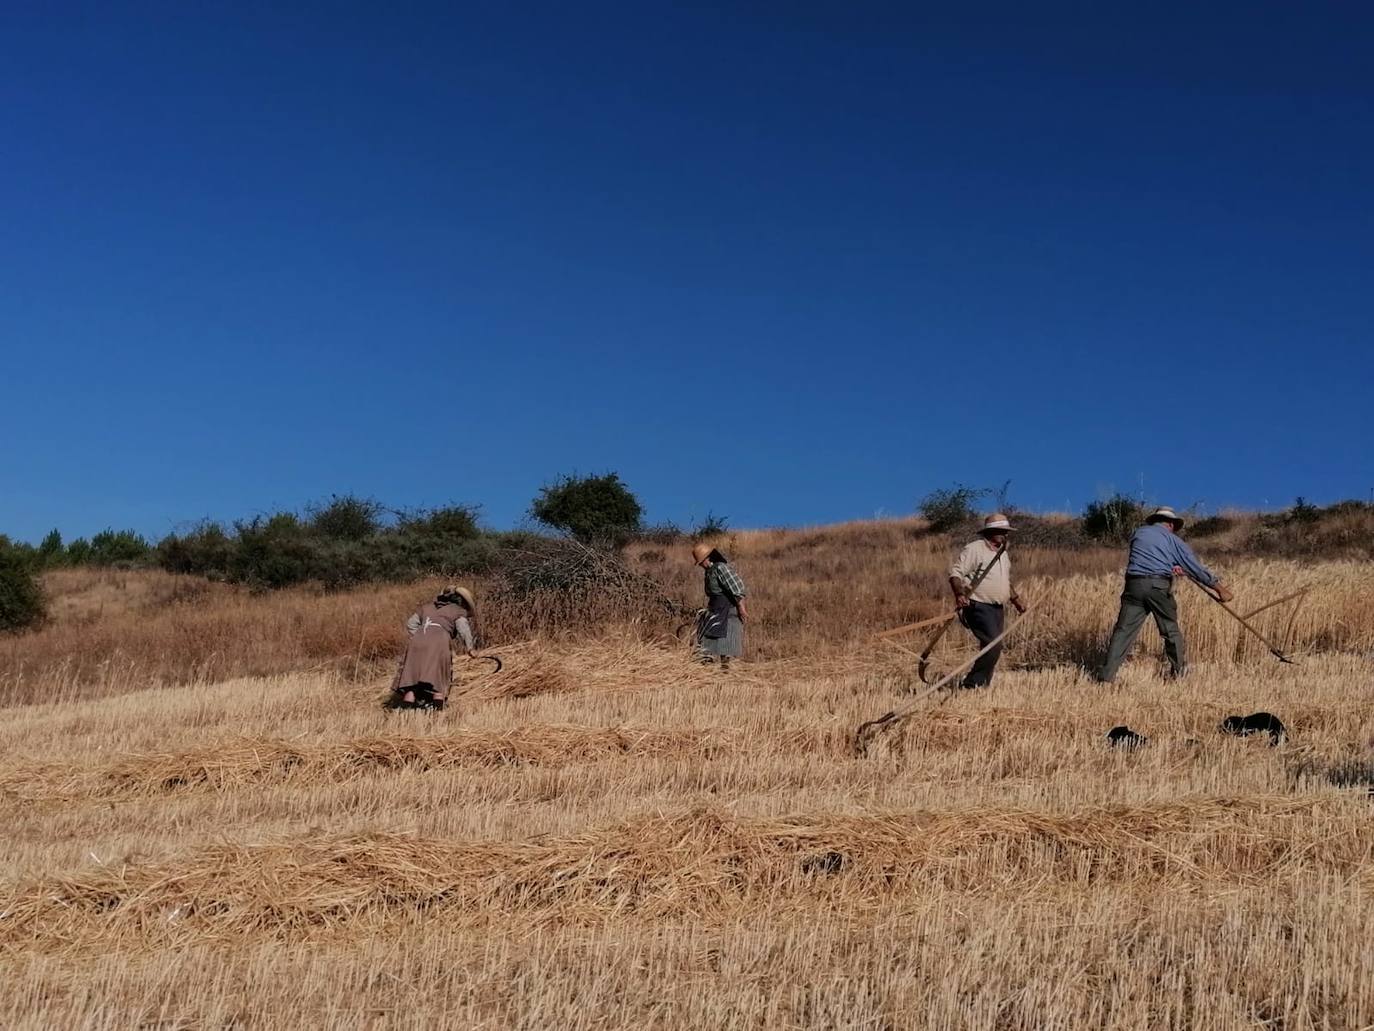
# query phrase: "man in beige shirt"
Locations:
[[981, 581]]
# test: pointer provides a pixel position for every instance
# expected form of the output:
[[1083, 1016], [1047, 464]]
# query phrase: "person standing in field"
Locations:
[[720, 630], [982, 608], [1157, 555], [426, 672]]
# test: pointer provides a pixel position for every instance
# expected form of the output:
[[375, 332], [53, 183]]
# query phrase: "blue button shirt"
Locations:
[[1155, 550]]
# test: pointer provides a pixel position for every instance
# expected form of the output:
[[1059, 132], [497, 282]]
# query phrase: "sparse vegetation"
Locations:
[[1113, 520], [710, 527], [949, 507]]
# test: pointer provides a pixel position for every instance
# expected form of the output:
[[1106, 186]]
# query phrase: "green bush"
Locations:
[[206, 551], [274, 552], [118, 548], [453, 521], [51, 551], [280, 550], [347, 518], [78, 552], [597, 509], [1303, 512], [946, 509], [21, 598], [1113, 520]]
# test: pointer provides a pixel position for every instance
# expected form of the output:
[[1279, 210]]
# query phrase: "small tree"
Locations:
[[347, 518], [591, 508], [21, 598], [51, 551], [1113, 520], [1304, 511], [946, 509], [118, 547]]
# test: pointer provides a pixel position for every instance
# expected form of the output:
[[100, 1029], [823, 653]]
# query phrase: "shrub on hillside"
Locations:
[[51, 551], [280, 550], [1113, 520], [710, 527], [664, 534], [347, 518], [593, 509], [1303, 512], [274, 552], [1055, 534], [946, 509], [118, 548], [1211, 526], [454, 521], [21, 597], [205, 550]]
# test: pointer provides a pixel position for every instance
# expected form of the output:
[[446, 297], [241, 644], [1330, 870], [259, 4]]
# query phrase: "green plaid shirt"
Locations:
[[721, 579]]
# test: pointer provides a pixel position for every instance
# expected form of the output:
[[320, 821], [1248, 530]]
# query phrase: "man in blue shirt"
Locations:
[[1158, 554]]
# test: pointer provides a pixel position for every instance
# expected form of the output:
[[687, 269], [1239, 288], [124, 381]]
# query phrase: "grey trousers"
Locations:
[[1145, 596]]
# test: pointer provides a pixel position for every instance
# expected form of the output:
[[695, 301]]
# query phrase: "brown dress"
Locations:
[[428, 660]]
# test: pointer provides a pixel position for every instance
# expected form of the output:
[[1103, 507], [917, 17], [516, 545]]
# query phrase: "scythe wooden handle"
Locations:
[[1273, 649]]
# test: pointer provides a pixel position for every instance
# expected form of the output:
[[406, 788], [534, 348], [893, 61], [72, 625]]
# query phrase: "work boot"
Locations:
[[430, 704]]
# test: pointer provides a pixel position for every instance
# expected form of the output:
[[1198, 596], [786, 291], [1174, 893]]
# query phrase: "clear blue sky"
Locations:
[[791, 263]]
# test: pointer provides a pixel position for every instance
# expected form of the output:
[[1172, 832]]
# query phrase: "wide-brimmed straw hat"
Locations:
[[1165, 514], [997, 521], [457, 591], [700, 551]]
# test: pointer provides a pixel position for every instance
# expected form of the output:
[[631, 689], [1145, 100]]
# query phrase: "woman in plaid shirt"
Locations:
[[720, 631]]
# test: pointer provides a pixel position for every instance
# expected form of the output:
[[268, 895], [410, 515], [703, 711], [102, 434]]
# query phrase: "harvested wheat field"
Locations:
[[606, 835]]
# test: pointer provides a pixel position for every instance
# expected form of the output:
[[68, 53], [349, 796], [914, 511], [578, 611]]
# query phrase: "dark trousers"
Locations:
[[986, 622], [1145, 596]]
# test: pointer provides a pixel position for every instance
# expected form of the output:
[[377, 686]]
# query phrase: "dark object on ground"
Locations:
[[1255, 723], [826, 863], [1125, 737], [1352, 774]]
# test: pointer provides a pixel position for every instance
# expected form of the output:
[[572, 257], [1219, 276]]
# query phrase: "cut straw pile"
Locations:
[[257, 761], [694, 864]]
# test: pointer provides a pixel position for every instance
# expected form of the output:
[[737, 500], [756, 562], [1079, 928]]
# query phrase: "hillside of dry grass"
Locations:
[[605, 834], [816, 594]]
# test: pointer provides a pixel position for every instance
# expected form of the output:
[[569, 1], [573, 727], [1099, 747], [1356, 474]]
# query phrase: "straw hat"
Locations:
[[1165, 514], [699, 552], [997, 521], [455, 591]]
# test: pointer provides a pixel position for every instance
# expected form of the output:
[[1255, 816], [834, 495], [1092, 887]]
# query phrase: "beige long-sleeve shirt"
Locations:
[[996, 586]]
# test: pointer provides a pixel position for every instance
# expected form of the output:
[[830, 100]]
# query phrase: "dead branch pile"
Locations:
[[658, 866], [564, 586]]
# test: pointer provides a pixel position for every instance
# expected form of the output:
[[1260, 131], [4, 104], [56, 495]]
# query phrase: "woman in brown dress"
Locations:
[[427, 671]]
